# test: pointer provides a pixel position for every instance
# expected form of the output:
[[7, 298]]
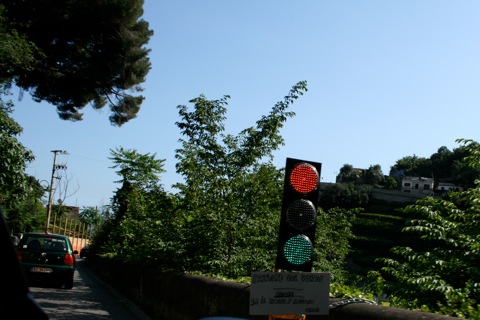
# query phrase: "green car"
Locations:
[[47, 258]]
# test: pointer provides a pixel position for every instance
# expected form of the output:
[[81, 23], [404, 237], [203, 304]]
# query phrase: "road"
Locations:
[[90, 299]]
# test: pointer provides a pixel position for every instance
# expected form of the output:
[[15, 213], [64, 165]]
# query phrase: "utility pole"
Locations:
[[55, 167]]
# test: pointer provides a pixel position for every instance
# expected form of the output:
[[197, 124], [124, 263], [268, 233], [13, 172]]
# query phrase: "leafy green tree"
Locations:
[[224, 220], [345, 196], [463, 175], [90, 216], [78, 52], [149, 233], [441, 162], [390, 183], [466, 171], [443, 166], [16, 53], [413, 166], [332, 237], [348, 174], [144, 226], [20, 194], [230, 198], [14, 158], [138, 172], [373, 176], [29, 212], [441, 273]]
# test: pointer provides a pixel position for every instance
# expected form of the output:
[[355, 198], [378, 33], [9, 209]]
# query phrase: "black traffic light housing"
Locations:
[[298, 220]]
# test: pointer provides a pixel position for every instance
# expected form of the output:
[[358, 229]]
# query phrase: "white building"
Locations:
[[420, 185], [445, 187]]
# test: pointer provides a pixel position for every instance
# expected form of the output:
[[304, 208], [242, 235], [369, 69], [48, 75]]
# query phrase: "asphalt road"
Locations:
[[90, 299]]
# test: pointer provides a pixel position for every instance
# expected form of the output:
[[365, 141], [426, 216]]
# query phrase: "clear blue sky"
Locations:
[[386, 79]]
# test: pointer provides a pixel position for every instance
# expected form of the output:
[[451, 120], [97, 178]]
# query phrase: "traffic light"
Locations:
[[299, 215]]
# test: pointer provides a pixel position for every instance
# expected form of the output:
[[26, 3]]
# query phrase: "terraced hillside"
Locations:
[[377, 231]]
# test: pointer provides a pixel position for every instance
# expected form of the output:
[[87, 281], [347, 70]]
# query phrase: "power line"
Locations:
[[86, 158]]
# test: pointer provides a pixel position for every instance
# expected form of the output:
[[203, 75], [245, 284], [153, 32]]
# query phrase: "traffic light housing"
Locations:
[[299, 215]]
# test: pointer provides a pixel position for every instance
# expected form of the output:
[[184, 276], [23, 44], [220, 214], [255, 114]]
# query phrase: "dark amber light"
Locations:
[[301, 214]]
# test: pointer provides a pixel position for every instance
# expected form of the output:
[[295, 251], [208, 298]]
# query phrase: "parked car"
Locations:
[[47, 258], [85, 251]]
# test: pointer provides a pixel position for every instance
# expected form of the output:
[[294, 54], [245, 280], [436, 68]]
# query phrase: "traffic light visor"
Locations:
[[304, 178]]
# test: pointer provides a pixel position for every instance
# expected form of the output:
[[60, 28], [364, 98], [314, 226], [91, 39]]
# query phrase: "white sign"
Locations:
[[274, 293]]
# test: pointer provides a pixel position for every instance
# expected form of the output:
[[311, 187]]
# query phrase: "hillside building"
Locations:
[[446, 187], [420, 185]]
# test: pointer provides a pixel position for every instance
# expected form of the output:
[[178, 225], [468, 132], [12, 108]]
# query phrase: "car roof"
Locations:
[[44, 234]]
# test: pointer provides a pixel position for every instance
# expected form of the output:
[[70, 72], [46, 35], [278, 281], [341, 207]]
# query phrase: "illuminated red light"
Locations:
[[69, 260], [304, 178]]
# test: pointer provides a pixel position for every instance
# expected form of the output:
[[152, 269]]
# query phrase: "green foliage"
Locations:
[[14, 158], [29, 212], [20, 194], [347, 196], [332, 241], [90, 216], [144, 226], [230, 198], [137, 169], [444, 165], [390, 183], [444, 265], [224, 221], [472, 155], [348, 175], [374, 236], [61, 58], [236, 234], [225, 218], [16, 52], [150, 233], [373, 176]]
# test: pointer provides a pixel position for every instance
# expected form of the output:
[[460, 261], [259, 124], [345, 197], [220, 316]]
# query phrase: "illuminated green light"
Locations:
[[298, 249]]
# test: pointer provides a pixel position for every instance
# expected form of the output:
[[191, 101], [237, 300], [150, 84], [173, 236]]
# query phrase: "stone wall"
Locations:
[[392, 196], [181, 296]]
